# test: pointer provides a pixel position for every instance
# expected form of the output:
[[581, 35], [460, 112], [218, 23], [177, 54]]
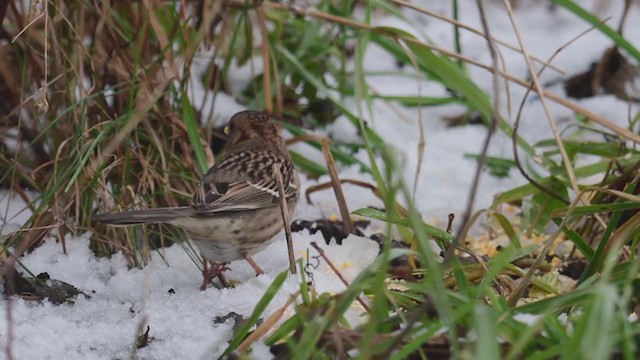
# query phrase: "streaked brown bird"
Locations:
[[236, 207]]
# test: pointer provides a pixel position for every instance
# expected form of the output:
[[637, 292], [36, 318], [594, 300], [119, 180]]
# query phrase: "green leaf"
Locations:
[[508, 229], [593, 20], [498, 167], [193, 131], [444, 69], [310, 167], [523, 191], [487, 343]]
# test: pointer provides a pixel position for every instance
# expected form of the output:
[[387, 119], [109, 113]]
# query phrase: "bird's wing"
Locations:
[[244, 182]]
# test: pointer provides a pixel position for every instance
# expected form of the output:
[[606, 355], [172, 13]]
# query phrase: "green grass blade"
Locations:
[[193, 131], [593, 20], [269, 294]]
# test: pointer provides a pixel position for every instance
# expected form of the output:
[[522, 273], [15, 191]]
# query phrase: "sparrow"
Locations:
[[235, 212]]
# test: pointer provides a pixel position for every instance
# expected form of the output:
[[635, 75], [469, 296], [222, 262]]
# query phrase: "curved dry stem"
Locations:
[[337, 187], [402, 211], [516, 124], [543, 101]]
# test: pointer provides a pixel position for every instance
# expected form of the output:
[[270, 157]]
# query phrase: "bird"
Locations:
[[235, 212]]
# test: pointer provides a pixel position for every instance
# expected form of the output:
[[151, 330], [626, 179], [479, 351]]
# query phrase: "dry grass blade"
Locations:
[[495, 116], [163, 38], [285, 217], [421, 142], [517, 293], [42, 225], [266, 325], [304, 138], [337, 187], [543, 101], [473, 30], [625, 12], [516, 123], [622, 234], [262, 23], [145, 102]]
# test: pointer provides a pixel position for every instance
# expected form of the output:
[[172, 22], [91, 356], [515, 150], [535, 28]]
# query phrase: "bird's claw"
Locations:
[[216, 270]]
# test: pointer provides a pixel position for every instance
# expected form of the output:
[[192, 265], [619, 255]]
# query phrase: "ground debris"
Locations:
[[611, 74], [329, 228], [40, 287]]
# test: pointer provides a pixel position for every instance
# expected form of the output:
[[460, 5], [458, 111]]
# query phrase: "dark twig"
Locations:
[[625, 12], [485, 146], [516, 124], [335, 270]]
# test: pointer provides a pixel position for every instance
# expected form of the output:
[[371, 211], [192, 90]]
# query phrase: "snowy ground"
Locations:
[[182, 324]]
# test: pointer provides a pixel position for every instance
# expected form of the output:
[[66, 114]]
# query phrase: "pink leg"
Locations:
[[255, 266]]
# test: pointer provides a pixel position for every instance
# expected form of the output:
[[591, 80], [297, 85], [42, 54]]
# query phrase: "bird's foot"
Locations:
[[216, 270]]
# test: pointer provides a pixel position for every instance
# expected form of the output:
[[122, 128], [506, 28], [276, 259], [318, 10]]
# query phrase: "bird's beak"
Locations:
[[226, 130]]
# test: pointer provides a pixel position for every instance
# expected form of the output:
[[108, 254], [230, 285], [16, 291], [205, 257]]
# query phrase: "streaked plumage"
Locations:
[[236, 207]]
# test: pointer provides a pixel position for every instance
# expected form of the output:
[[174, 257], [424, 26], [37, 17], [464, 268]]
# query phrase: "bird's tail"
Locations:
[[145, 216]]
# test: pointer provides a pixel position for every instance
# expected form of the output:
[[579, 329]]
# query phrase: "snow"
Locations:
[[181, 322]]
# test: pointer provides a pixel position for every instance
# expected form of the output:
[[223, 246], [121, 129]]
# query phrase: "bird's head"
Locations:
[[250, 129]]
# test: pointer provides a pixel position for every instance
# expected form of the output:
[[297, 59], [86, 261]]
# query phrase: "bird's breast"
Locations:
[[230, 236]]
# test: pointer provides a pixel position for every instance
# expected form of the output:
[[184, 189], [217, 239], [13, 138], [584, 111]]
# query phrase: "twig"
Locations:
[[625, 12], [27, 26], [144, 317], [335, 270], [524, 282], [421, 143], [311, 189], [459, 24], [285, 217], [265, 326], [485, 146], [516, 123], [337, 188], [543, 101], [42, 224], [303, 138], [264, 47]]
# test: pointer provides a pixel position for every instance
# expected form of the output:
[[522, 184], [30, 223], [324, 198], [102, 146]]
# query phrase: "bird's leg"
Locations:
[[255, 266], [209, 274]]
